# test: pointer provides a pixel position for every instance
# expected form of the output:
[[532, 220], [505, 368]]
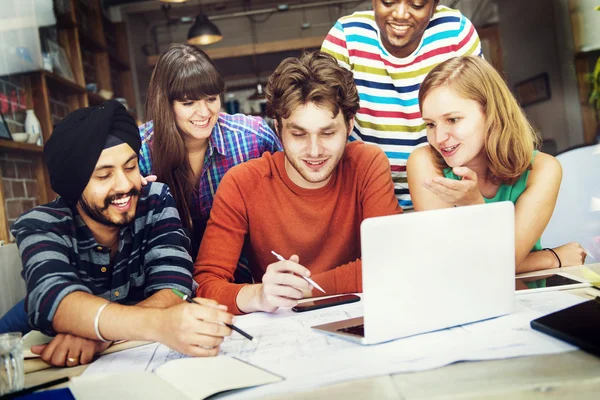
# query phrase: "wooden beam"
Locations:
[[20, 147], [260, 48], [102, 65], [45, 193], [41, 104], [491, 35], [69, 40], [4, 231]]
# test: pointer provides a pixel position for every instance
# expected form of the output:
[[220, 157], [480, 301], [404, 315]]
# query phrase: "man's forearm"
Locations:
[[248, 298], [162, 299], [77, 311]]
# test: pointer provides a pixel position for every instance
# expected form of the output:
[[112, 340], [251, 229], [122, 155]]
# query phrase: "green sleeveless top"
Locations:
[[505, 192]]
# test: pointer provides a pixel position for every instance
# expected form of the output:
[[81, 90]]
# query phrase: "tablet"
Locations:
[[543, 283]]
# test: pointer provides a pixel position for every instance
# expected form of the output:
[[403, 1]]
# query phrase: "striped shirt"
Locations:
[[234, 139], [61, 256], [388, 86]]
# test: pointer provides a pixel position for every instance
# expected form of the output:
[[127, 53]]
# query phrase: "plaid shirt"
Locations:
[[234, 140], [61, 256]]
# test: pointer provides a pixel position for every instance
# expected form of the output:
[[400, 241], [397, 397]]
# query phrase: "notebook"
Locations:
[[185, 378], [431, 270], [578, 325]]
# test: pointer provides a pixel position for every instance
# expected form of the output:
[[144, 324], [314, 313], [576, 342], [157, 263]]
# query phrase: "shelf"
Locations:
[[218, 53], [57, 79], [63, 81], [26, 147], [117, 63]]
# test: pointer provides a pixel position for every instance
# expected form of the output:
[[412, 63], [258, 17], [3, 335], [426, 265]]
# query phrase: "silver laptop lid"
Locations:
[[431, 270]]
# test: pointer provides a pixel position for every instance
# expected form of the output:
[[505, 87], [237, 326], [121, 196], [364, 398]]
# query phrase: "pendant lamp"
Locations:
[[203, 31]]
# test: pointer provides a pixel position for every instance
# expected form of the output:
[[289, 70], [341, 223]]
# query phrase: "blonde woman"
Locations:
[[482, 150]]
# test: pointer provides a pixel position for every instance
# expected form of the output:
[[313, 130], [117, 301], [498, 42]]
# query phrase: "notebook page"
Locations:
[[130, 386], [198, 378]]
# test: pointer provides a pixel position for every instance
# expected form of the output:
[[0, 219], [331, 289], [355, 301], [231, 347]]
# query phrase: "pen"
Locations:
[[280, 258], [185, 297], [32, 389]]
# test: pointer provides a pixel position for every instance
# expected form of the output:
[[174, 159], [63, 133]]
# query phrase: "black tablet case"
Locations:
[[578, 325]]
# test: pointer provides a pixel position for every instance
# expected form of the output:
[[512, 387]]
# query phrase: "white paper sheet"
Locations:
[[307, 358]]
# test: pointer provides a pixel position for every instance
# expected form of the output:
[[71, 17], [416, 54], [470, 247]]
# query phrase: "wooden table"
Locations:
[[575, 374]]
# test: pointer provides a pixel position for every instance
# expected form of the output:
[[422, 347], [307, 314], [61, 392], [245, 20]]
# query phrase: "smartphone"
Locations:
[[547, 282], [330, 302]]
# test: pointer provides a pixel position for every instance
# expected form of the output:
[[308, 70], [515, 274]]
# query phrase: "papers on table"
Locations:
[[287, 346], [177, 379]]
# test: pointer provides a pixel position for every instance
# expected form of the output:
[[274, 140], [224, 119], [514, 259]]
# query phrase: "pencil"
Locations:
[[185, 297], [280, 258], [32, 389]]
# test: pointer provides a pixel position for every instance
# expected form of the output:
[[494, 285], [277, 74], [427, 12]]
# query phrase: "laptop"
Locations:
[[432, 270]]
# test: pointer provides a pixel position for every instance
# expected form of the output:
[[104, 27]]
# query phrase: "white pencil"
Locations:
[[588, 254], [280, 258]]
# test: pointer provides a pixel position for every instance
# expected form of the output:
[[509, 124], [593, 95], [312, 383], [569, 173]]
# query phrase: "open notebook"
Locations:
[[186, 378]]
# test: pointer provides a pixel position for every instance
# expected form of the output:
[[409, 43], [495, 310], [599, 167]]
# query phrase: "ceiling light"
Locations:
[[259, 94], [203, 31], [173, 1]]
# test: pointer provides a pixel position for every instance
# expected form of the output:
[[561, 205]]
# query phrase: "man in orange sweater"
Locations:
[[306, 203]]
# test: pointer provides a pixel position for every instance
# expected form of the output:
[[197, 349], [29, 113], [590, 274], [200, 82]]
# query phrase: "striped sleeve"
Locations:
[[47, 270], [468, 39], [167, 262], [335, 44]]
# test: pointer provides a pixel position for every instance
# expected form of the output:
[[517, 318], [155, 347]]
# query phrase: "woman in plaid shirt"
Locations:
[[188, 143]]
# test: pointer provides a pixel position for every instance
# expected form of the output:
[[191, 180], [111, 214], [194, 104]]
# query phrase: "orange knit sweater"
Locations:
[[258, 206]]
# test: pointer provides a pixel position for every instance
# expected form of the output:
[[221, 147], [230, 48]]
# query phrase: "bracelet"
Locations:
[[97, 322], [555, 255]]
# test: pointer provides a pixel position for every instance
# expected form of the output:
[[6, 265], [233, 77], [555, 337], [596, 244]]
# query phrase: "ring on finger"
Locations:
[[72, 360]]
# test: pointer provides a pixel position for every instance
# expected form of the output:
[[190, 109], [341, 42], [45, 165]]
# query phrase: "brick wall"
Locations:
[[59, 108], [19, 184], [17, 172]]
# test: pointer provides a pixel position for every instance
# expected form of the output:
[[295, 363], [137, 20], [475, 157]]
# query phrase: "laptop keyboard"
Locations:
[[358, 330]]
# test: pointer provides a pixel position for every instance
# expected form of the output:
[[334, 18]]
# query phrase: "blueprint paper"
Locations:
[[287, 346]]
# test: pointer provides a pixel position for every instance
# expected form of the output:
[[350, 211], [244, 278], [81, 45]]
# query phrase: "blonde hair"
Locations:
[[510, 139]]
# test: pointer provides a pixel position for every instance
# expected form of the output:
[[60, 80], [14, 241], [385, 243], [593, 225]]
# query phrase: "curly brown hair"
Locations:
[[313, 77]]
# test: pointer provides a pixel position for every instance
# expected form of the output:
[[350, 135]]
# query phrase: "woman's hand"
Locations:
[[459, 193], [570, 254], [149, 178]]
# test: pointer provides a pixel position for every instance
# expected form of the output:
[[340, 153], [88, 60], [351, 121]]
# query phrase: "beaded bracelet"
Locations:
[[555, 255]]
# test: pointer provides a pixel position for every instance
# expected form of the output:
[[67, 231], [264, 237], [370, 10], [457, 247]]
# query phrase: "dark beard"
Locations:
[[96, 213]]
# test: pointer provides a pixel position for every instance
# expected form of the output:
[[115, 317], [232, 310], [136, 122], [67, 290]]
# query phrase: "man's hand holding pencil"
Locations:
[[195, 329]]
